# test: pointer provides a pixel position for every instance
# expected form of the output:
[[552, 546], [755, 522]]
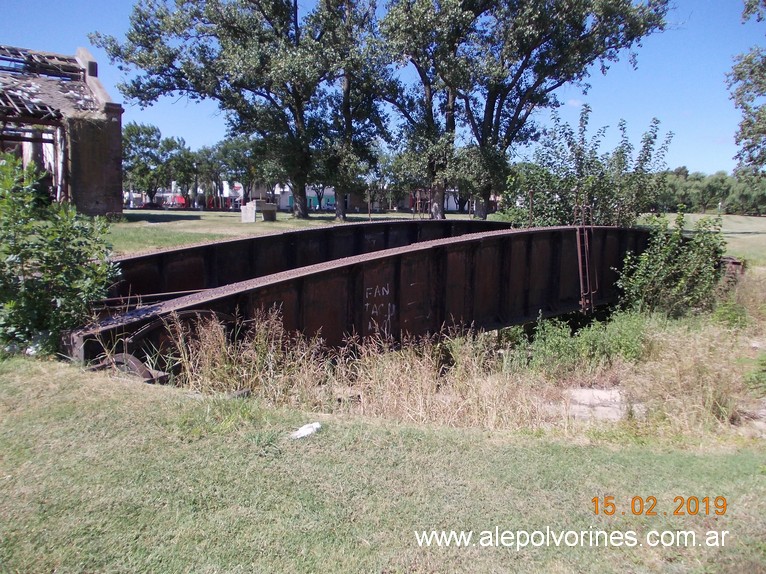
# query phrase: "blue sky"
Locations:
[[680, 77]]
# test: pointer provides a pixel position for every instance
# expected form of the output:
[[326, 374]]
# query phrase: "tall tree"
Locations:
[[748, 195], [241, 160], [714, 191], [523, 51], [570, 171], [474, 171], [355, 117], [263, 61], [183, 166], [747, 83], [141, 159], [171, 154], [426, 36], [406, 172]]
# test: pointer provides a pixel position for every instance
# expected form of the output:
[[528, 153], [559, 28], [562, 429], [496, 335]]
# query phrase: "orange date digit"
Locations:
[[640, 506], [608, 507], [652, 502], [720, 505], [693, 506]]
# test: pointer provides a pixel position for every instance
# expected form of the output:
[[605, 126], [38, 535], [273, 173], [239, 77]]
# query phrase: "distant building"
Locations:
[[283, 197], [55, 113]]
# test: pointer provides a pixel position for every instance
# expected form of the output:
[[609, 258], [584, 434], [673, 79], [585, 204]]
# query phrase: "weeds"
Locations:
[[681, 375], [678, 375], [258, 355], [756, 378], [675, 275]]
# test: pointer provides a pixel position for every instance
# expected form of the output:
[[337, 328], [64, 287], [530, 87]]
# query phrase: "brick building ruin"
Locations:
[[55, 113]]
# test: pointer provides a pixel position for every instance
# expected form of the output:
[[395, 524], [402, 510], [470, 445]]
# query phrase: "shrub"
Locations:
[[558, 350], [622, 336], [731, 314], [675, 274], [756, 379], [53, 263]]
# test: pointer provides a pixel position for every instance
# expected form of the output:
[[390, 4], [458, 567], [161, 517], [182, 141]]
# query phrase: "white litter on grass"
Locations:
[[306, 430]]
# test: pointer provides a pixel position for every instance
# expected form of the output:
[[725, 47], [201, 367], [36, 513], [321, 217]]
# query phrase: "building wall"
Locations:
[[94, 142], [283, 197], [95, 163]]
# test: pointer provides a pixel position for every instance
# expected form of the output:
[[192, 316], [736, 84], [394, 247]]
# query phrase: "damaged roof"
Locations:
[[42, 88]]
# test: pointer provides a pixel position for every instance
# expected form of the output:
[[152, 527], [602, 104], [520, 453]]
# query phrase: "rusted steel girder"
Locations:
[[224, 262], [486, 280]]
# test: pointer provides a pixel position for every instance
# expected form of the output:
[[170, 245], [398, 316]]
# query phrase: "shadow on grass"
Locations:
[[361, 217], [160, 217]]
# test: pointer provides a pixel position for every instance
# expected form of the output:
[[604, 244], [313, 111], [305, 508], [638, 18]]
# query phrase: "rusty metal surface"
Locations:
[[224, 262], [487, 280]]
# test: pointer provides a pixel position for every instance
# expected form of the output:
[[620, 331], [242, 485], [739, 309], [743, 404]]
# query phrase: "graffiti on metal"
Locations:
[[379, 308], [486, 280]]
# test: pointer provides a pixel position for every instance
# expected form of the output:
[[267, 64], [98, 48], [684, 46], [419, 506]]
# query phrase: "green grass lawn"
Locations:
[[104, 474], [745, 236], [101, 473], [147, 230]]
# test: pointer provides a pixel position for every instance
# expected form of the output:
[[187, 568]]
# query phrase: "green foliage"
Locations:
[[499, 62], [53, 262], [747, 194], [475, 170], [731, 314], [747, 83], [274, 67], [526, 201], [756, 379], [675, 274], [312, 79], [246, 160], [742, 193], [553, 347], [151, 162], [623, 335], [570, 170], [558, 350], [525, 51]]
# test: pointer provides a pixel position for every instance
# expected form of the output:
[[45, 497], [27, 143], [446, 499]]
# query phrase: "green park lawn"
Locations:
[[745, 236], [102, 473], [147, 230]]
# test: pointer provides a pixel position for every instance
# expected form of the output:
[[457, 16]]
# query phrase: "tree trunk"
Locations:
[[348, 121], [437, 203], [340, 205], [300, 204], [482, 206]]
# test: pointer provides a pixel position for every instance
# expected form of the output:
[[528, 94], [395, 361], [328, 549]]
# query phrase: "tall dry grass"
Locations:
[[695, 373], [691, 379], [686, 375], [455, 380]]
